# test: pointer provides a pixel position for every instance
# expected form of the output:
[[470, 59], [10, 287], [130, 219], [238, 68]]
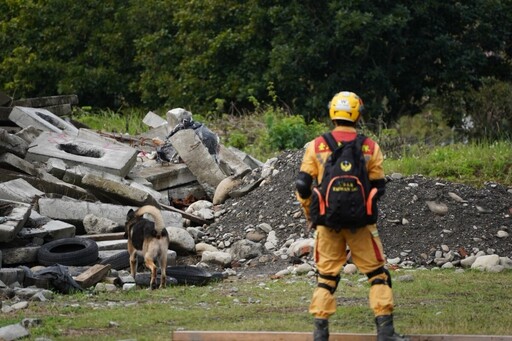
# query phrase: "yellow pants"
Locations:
[[330, 256]]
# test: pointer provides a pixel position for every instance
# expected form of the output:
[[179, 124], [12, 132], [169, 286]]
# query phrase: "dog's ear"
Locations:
[[131, 214]]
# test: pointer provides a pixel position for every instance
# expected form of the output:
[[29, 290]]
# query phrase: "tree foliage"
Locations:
[[216, 56]]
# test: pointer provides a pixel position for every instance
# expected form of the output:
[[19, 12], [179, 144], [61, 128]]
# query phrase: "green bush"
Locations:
[[290, 132]]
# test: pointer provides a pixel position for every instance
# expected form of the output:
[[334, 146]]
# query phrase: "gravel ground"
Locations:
[[477, 219]]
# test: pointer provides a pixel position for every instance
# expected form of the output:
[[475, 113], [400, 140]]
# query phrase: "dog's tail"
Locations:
[[156, 214]]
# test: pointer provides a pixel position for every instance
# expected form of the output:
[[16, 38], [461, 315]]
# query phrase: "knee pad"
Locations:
[[379, 271], [326, 286]]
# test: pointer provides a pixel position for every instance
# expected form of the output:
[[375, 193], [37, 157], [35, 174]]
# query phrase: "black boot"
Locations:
[[321, 332], [386, 331]]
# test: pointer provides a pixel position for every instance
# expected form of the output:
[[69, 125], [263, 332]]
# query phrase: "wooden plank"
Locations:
[[92, 275], [295, 336]]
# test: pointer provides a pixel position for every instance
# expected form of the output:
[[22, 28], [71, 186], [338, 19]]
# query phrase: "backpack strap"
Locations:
[[360, 138], [331, 141]]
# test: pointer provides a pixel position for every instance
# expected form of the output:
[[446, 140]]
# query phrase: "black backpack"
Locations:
[[345, 198]]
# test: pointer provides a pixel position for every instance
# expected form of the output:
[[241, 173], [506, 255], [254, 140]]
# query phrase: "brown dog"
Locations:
[[148, 239]]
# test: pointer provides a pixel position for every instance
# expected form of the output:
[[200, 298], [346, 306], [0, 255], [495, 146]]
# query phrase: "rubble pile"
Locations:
[[224, 210], [65, 191]]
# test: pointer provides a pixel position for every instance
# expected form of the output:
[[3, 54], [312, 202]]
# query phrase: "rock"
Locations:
[[486, 263], [437, 208], [350, 269]]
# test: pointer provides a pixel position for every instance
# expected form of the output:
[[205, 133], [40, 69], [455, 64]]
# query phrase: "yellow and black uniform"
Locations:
[[330, 246]]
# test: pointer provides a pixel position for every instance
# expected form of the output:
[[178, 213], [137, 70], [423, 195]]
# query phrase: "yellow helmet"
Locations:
[[346, 106]]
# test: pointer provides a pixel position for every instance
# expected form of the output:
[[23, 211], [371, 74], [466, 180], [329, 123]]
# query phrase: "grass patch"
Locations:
[[435, 302], [473, 163]]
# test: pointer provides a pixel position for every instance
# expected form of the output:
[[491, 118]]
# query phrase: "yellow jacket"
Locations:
[[317, 152]]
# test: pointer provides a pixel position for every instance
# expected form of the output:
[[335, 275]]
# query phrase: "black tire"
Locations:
[[68, 251], [121, 260], [189, 275]]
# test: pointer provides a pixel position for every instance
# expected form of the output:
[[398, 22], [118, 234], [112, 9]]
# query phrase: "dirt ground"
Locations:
[[407, 227]]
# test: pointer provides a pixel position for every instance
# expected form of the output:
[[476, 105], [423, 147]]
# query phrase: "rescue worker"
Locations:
[[364, 243]]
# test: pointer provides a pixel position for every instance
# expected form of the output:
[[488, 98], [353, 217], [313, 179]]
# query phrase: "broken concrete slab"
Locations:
[[153, 120], [53, 230], [20, 255], [58, 168], [165, 176], [13, 162], [47, 183], [119, 192], [114, 158], [75, 174], [233, 163], [15, 215], [247, 159], [197, 158], [12, 144], [160, 132], [46, 101], [74, 212], [29, 134], [41, 119], [19, 190]]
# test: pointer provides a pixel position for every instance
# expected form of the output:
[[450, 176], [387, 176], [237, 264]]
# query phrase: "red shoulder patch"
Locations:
[[321, 146], [368, 146]]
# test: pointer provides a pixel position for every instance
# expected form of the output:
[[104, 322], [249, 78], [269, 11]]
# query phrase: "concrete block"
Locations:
[[19, 190], [114, 158], [165, 176], [20, 255], [12, 144], [73, 211], [16, 214], [13, 162], [52, 230], [197, 158], [41, 119]]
